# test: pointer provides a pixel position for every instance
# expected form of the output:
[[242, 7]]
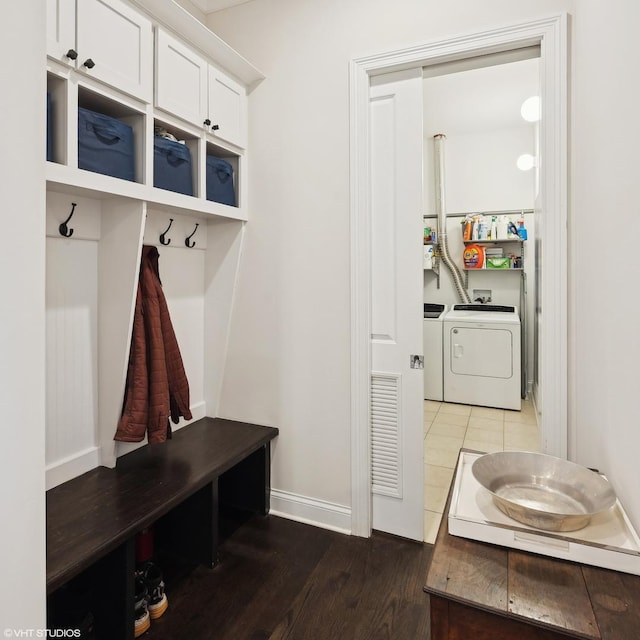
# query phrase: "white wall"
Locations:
[[288, 361], [481, 172], [22, 193], [603, 341]]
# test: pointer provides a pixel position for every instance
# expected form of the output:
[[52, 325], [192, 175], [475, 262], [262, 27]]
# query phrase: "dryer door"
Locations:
[[486, 352]]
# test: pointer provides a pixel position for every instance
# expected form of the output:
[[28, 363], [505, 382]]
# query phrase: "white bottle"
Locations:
[[503, 228]]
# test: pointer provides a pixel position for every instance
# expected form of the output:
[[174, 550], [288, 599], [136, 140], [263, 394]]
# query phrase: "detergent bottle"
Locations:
[[522, 231], [503, 228], [473, 256], [467, 228]]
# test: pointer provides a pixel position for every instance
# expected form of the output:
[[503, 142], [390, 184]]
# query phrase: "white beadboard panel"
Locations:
[[119, 263], [182, 276], [383, 227], [71, 349], [225, 242], [386, 448], [319, 513]]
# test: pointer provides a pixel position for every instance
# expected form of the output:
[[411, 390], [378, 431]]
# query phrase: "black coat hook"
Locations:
[[186, 241], [163, 240], [63, 228]]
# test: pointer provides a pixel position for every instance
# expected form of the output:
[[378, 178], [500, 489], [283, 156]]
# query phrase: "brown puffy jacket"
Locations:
[[157, 385]]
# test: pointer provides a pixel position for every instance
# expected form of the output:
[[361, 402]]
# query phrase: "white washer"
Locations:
[[432, 346], [482, 355]]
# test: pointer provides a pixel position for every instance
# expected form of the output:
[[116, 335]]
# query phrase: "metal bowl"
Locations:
[[543, 491]]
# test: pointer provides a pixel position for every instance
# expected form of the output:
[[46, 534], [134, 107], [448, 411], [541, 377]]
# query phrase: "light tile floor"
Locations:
[[448, 427]]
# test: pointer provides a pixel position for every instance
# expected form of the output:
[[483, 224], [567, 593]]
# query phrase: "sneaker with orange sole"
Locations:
[[142, 617], [157, 602]]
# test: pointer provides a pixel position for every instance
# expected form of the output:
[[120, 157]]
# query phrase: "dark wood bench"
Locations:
[[178, 487], [485, 592]]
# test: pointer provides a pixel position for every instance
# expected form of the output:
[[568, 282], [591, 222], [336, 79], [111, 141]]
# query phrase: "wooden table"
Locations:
[[480, 591]]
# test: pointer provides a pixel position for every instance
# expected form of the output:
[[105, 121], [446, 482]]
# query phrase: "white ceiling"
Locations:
[[484, 99], [209, 6]]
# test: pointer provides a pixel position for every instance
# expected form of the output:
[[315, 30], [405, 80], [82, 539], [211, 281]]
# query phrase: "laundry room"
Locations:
[[479, 330], [479, 193]]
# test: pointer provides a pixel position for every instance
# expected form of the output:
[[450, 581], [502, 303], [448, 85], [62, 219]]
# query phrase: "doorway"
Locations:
[[551, 35], [476, 104]]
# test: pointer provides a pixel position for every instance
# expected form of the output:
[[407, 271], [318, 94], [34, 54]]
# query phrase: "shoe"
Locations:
[[141, 611], [157, 602]]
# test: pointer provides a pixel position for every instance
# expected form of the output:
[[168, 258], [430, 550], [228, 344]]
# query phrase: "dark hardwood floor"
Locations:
[[282, 580]]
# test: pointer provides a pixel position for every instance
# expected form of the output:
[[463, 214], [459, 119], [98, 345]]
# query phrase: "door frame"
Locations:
[[552, 35]]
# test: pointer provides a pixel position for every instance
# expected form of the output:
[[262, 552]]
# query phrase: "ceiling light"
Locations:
[[525, 162], [530, 109]]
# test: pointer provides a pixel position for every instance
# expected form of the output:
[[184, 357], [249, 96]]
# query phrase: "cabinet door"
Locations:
[[227, 108], [181, 79], [119, 42], [61, 28]]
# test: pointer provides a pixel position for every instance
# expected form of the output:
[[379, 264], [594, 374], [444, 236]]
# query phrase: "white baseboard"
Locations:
[[319, 513], [71, 467]]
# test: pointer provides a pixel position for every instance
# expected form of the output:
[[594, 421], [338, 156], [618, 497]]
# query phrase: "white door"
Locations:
[[61, 28], [396, 309], [115, 45], [181, 79], [227, 108]]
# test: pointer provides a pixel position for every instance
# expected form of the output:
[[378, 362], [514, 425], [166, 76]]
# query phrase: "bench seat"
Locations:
[[96, 516]]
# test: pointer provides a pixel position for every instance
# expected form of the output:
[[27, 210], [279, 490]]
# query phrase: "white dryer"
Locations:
[[432, 349], [482, 355]]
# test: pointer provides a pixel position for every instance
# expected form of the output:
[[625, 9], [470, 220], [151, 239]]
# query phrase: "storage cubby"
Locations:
[[92, 268], [216, 185], [97, 223], [169, 165], [198, 260], [90, 292], [106, 131], [56, 119], [90, 297]]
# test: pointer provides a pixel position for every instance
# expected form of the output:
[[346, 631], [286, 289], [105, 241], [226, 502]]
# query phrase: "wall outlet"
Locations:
[[481, 295]]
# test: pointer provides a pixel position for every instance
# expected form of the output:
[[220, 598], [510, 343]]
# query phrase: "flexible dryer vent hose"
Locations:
[[443, 245]]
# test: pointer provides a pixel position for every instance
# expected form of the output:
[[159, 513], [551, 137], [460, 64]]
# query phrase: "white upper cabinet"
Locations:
[[61, 29], [113, 43], [189, 87], [227, 108], [181, 79]]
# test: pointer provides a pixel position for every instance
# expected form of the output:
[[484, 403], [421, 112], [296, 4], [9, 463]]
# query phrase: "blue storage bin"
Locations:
[[220, 181], [172, 166], [105, 145], [49, 130]]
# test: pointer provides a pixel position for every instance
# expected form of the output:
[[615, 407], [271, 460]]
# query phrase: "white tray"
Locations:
[[608, 541]]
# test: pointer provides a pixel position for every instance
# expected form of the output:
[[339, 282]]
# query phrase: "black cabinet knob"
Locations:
[[89, 63], [72, 54], [207, 122], [215, 127]]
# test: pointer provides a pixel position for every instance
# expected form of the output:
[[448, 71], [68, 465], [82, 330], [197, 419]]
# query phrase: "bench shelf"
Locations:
[[178, 486]]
